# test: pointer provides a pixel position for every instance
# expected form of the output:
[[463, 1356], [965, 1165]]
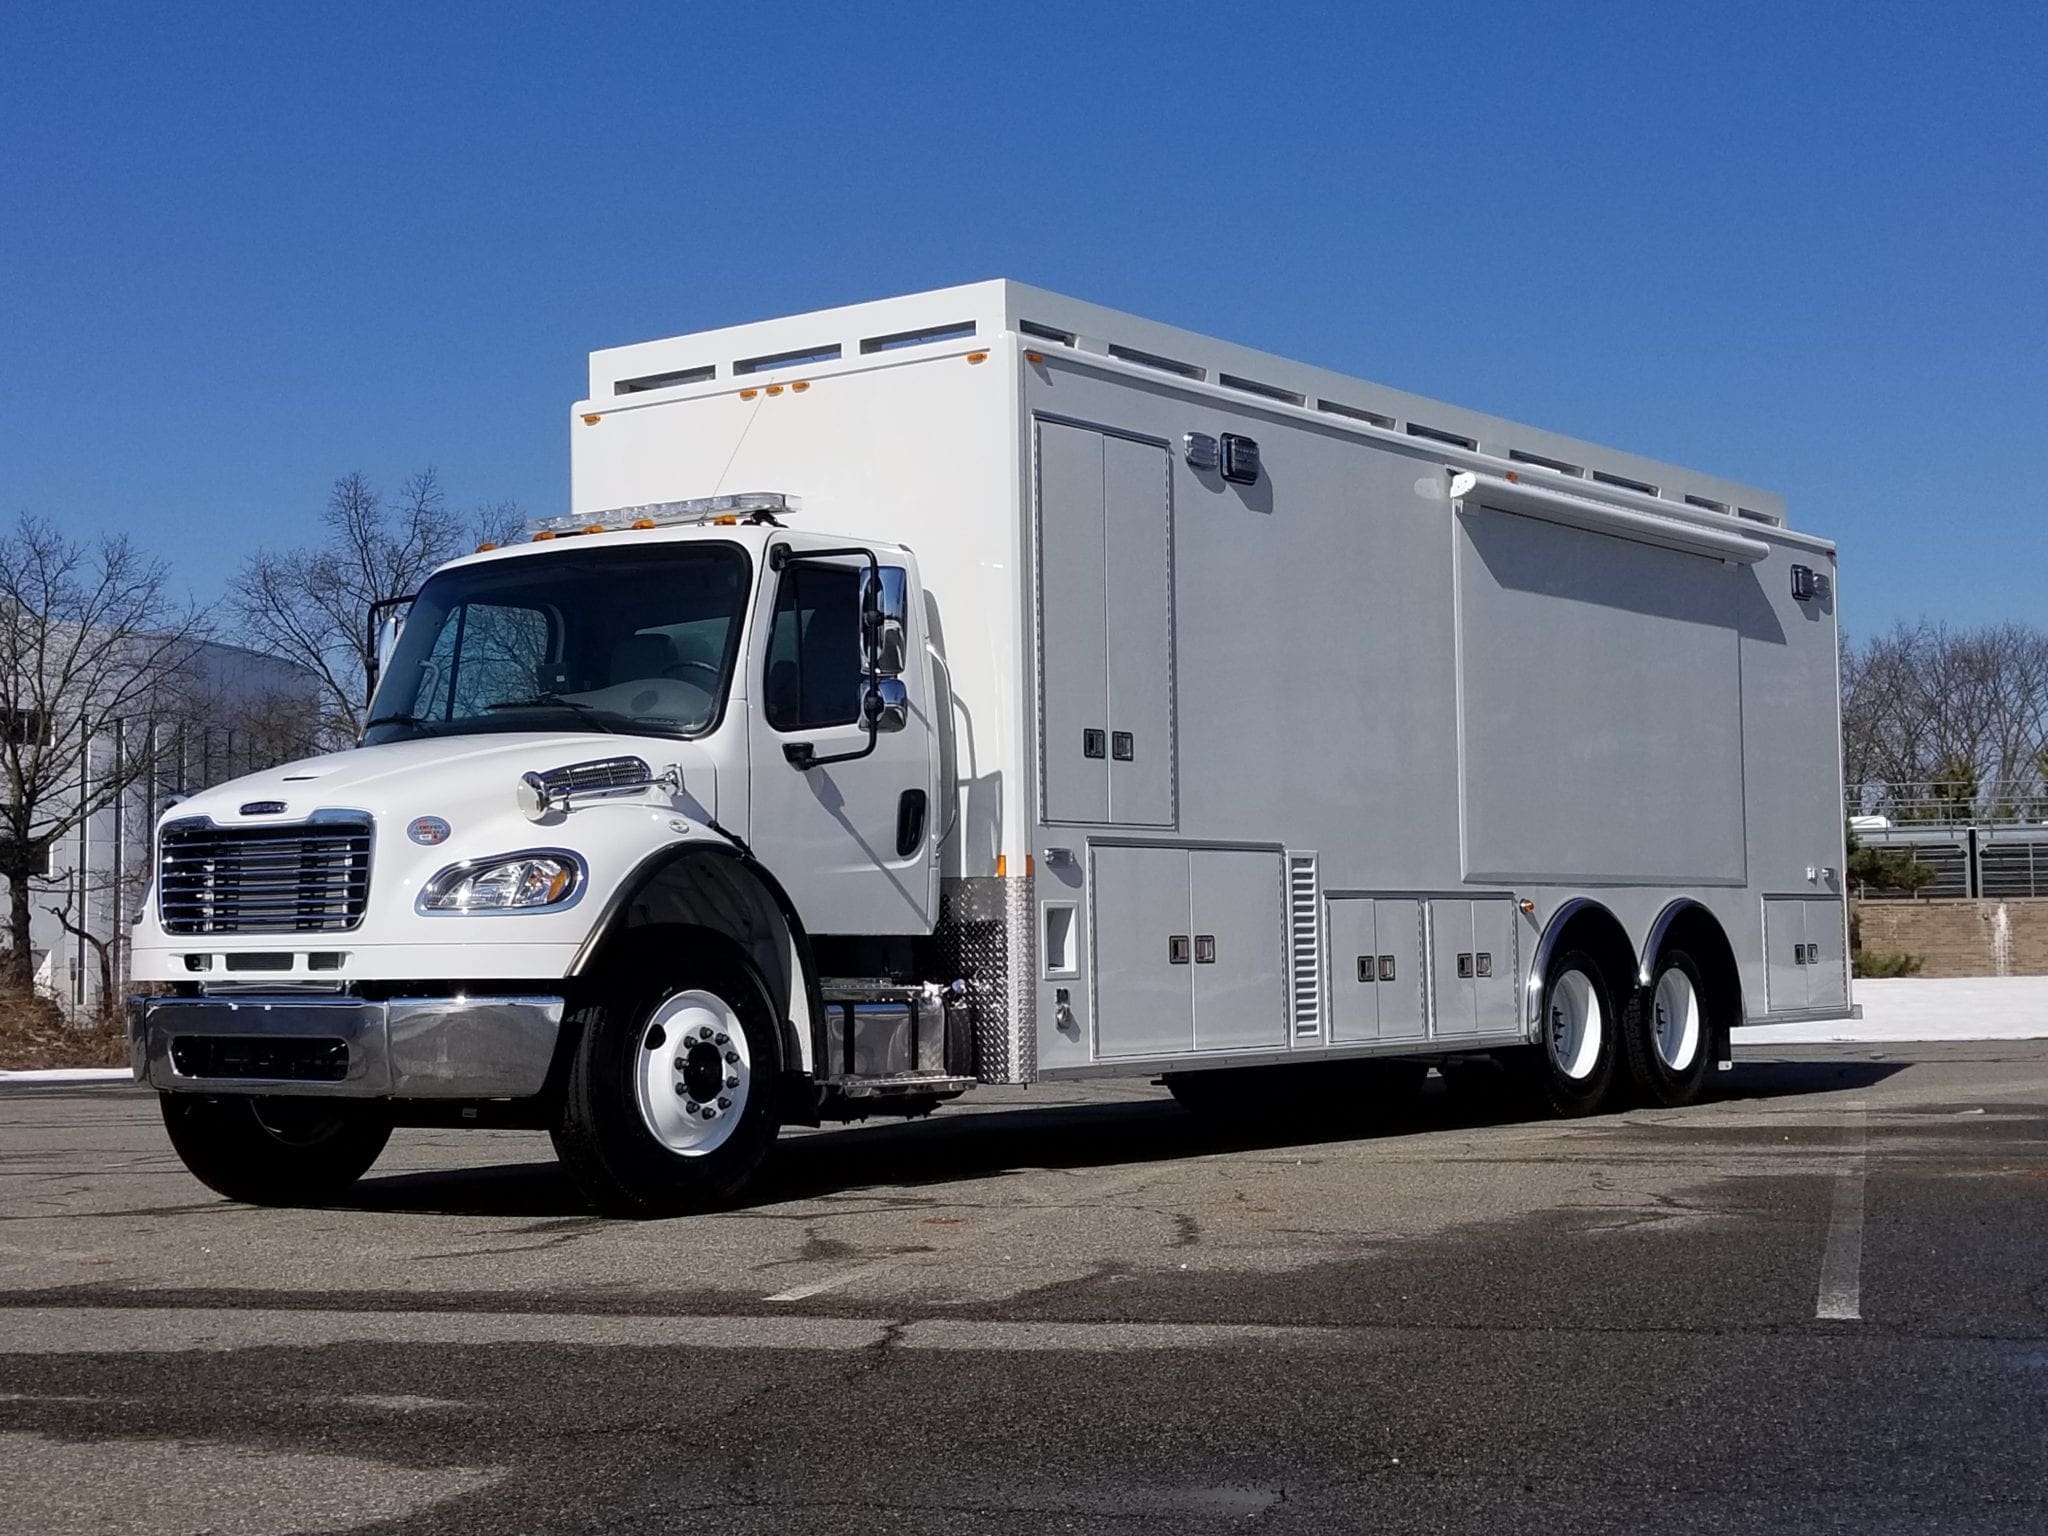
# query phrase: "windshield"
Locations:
[[635, 638]]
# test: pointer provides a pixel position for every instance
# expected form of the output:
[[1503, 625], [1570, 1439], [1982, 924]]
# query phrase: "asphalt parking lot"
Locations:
[[1815, 1303]]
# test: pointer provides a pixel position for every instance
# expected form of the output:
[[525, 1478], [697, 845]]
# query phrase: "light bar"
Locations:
[[698, 509]]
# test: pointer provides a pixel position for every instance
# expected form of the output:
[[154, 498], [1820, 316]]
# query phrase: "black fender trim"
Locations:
[[650, 869]]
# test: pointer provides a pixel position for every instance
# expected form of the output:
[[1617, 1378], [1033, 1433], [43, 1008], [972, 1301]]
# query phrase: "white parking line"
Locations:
[[1841, 1263]]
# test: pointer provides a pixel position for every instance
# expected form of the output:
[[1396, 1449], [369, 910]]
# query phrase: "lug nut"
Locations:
[[732, 1079], [721, 1039], [724, 1102], [710, 1113], [732, 1056]]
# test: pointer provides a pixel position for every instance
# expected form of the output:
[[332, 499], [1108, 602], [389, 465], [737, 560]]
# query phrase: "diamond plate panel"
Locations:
[[986, 935]]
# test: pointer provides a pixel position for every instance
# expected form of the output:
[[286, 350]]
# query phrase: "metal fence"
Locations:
[[1995, 863], [1951, 803]]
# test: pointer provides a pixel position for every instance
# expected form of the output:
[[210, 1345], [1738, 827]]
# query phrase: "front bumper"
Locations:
[[346, 1047]]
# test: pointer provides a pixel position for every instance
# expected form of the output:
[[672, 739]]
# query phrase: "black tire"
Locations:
[[600, 1133], [275, 1151], [1654, 1026], [1572, 1075]]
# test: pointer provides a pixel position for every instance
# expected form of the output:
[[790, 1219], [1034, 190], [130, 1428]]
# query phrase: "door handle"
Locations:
[[909, 822], [1205, 949]]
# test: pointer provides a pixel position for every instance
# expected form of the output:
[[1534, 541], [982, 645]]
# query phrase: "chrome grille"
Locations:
[[311, 877]]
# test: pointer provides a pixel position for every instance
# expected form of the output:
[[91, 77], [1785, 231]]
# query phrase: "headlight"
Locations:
[[512, 882]]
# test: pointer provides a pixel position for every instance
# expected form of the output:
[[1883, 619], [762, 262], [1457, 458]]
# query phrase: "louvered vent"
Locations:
[[1305, 943]]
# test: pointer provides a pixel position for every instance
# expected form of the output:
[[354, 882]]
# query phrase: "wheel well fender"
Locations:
[[1580, 923], [724, 893], [1686, 925]]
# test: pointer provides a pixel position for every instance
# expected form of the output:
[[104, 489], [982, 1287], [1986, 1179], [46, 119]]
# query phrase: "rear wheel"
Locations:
[[1574, 1063], [275, 1151], [1666, 1033], [670, 1100]]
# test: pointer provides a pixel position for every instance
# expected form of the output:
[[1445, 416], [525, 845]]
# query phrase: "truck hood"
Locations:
[[434, 774]]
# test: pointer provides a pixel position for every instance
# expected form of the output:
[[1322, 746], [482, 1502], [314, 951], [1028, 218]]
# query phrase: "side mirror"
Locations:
[[892, 648], [883, 624], [886, 709], [387, 623]]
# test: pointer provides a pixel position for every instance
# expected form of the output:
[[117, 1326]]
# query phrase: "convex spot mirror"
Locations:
[[883, 623], [886, 708]]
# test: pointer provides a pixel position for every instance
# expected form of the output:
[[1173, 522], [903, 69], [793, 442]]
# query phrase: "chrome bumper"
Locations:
[[406, 1048]]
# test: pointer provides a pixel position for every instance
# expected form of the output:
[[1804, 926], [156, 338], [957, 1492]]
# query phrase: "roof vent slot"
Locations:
[[1438, 435], [1370, 418], [1254, 387], [803, 357], [1154, 360], [929, 334], [1540, 462], [1046, 332], [699, 375], [1706, 504], [1757, 517], [1623, 482]]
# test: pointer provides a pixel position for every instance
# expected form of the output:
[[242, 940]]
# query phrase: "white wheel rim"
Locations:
[[1677, 1022], [1576, 1025], [693, 1073]]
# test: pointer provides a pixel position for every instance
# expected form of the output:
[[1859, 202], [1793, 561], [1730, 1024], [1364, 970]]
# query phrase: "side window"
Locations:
[[814, 654]]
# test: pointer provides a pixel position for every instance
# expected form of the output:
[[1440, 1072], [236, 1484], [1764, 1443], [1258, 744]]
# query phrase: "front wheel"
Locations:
[[275, 1151], [669, 1105]]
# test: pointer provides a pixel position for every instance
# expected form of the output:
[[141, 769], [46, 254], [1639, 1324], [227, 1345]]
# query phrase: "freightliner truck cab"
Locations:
[[619, 789]]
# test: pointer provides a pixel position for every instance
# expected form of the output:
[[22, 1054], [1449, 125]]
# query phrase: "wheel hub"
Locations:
[[694, 1073]]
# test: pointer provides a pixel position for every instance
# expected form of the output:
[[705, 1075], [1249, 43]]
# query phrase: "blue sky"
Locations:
[[244, 249]]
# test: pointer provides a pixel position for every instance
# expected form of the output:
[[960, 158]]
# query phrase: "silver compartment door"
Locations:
[[1354, 971], [1397, 926], [1073, 683], [1138, 584], [1452, 965], [1827, 971], [1784, 948], [1495, 925], [1144, 995], [1240, 950]]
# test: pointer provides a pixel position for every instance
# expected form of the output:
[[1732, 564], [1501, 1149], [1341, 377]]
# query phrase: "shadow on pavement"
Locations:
[[953, 1147]]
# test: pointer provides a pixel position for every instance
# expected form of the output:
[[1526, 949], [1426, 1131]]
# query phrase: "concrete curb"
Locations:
[[68, 1075]]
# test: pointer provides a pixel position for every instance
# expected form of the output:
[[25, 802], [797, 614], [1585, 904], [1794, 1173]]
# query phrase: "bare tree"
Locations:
[[1948, 723], [89, 635], [311, 605]]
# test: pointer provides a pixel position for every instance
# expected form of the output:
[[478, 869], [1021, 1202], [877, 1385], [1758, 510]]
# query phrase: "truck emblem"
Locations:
[[428, 830], [263, 808]]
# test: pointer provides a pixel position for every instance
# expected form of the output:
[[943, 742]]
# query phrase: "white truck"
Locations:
[[983, 686]]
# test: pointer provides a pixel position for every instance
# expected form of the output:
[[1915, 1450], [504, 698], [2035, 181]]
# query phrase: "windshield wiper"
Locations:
[[589, 712], [398, 718]]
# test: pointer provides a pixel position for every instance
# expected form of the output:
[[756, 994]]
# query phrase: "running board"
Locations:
[[910, 1084]]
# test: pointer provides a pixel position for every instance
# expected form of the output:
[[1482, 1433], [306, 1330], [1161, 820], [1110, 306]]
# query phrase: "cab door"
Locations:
[[853, 842]]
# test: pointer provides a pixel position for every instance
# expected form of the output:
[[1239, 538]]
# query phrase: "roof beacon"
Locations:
[[759, 506]]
